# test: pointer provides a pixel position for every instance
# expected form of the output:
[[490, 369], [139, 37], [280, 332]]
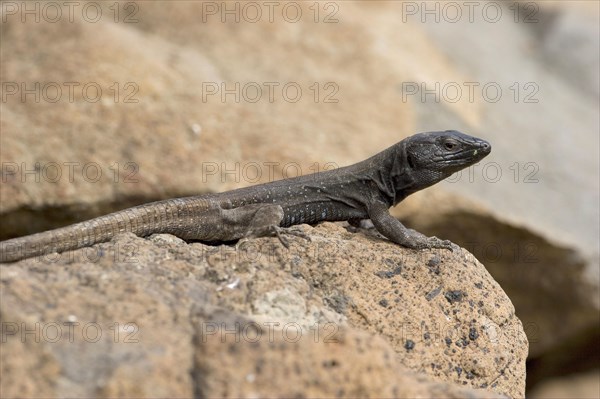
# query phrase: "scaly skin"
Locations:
[[365, 190]]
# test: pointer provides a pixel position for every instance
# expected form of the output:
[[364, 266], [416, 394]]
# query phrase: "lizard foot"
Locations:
[[279, 232], [421, 241], [434, 242]]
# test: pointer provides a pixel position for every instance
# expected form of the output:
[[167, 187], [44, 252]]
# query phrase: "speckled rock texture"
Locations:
[[345, 314]]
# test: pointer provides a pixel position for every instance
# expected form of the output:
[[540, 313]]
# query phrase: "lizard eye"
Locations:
[[450, 145]]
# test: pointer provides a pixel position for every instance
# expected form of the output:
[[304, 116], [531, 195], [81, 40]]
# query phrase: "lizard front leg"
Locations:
[[395, 231]]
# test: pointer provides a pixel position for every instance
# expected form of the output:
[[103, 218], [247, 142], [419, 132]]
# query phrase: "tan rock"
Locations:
[[161, 134], [348, 363], [584, 386], [406, 323]]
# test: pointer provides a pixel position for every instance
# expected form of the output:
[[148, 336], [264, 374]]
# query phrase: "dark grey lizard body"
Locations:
[[365, 190]]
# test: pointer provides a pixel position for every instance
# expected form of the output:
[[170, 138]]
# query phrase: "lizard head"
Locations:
[[433, 156]]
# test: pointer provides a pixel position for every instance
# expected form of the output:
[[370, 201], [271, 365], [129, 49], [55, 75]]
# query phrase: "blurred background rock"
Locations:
[[186, 89]]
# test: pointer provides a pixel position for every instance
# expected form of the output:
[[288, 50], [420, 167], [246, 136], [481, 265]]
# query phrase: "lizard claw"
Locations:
[[281, 232], [434, 242]]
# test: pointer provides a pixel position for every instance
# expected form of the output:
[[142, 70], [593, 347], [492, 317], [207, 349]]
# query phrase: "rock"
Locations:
[[586, 385], [158, 316], [569, 40], [524, 263], [349, 363], [156, 133], [515, 210]]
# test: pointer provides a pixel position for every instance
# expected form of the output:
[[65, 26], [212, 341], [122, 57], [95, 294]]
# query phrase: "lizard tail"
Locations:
[[157, 217]]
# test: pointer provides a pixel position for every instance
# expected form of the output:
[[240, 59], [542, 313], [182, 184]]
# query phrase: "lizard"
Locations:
[[364, 190]]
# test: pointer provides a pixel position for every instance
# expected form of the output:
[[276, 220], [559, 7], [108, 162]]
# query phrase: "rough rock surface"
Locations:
[[538, 274], [347, 314]]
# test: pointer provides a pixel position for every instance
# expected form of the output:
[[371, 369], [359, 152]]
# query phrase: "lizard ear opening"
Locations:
[[410, 161]]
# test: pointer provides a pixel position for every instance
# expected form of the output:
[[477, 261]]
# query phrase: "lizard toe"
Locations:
[[296, 233], [434, 242]]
